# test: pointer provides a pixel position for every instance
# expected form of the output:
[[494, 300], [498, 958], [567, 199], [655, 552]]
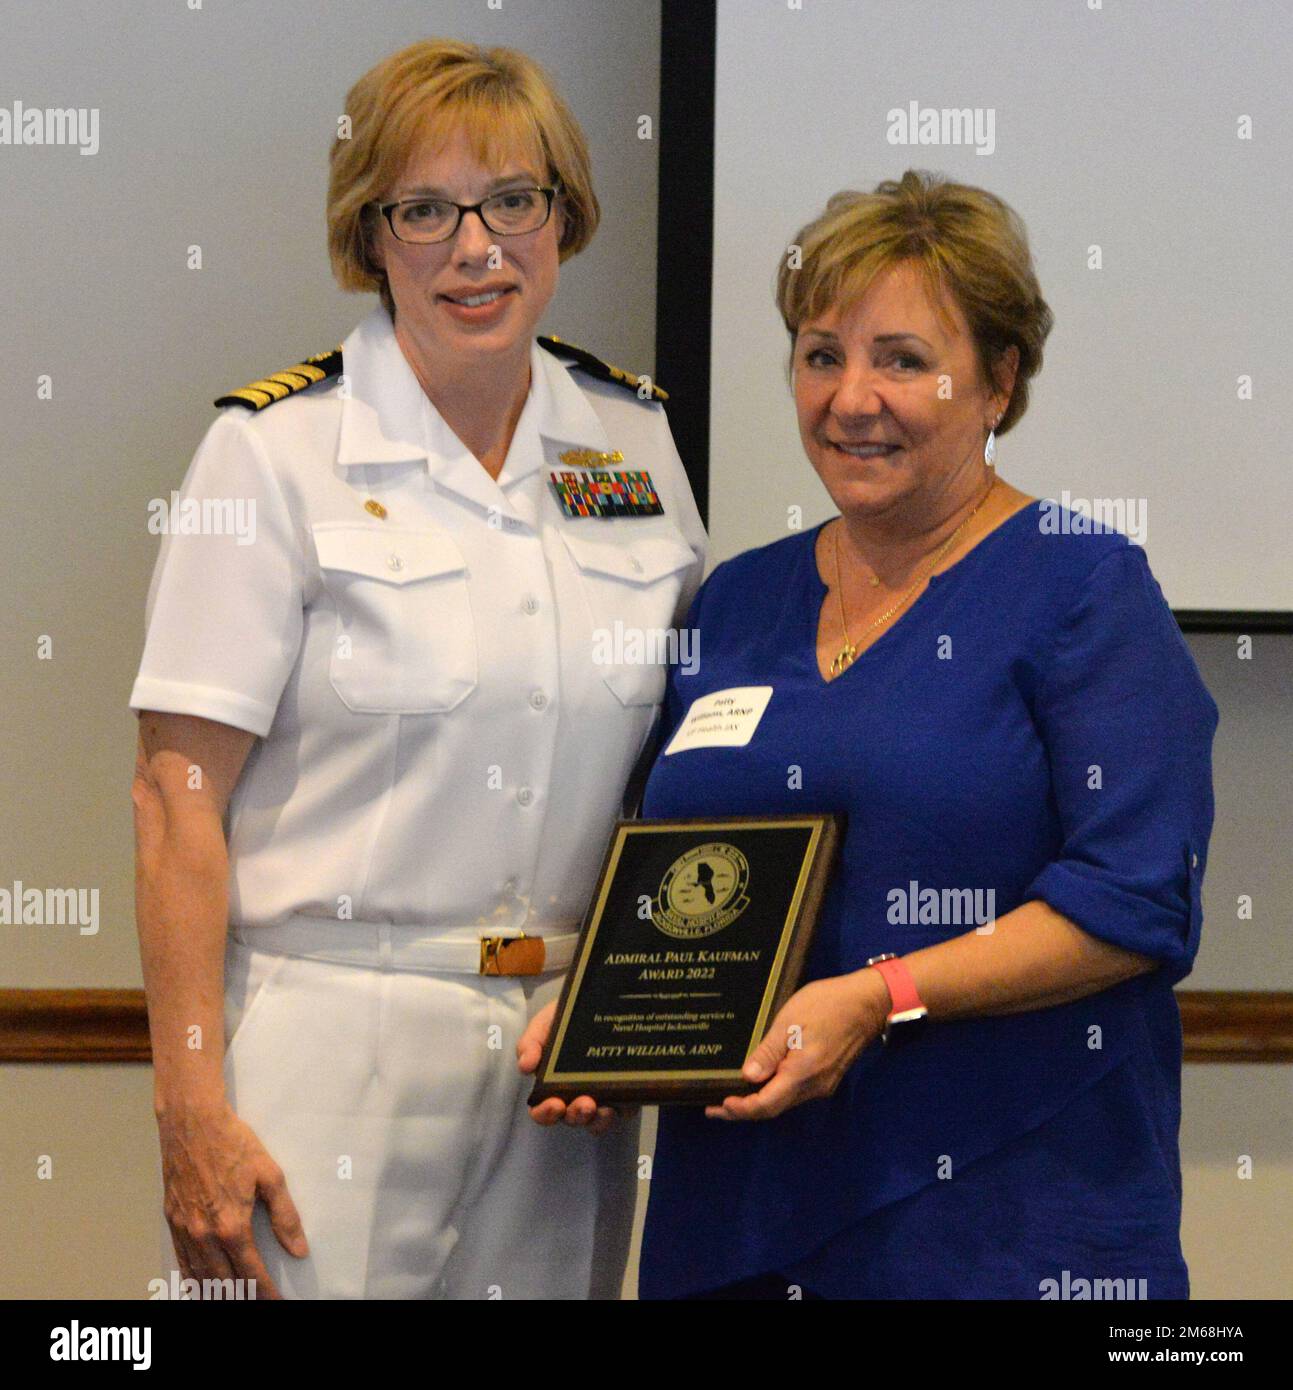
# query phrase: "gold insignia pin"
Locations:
[[590, 458], [376, 508]]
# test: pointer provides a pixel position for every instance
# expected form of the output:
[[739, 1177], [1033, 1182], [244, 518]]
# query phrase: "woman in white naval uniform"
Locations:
[[390, 728]]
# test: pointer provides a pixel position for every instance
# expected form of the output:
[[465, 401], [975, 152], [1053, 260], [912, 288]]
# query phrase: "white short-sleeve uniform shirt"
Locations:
[[443, 740]]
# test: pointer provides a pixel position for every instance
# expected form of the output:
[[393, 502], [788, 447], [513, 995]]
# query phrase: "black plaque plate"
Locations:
[[695, 937]]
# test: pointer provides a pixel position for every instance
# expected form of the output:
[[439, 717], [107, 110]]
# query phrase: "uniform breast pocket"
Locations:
[[631, 587], [405, 642]]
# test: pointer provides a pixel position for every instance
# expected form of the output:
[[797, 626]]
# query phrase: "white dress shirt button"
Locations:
[[525, 796], [538, 699], [531, 604], [394, 562], [509, 888]]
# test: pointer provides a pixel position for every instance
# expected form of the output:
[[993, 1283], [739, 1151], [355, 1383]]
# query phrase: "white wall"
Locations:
[[1114, 128]]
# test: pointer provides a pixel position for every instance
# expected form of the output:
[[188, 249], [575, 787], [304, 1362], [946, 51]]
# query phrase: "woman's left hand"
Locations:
[[811, 1044]]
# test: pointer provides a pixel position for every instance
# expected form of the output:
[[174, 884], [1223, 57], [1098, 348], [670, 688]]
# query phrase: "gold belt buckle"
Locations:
[[511, 955]]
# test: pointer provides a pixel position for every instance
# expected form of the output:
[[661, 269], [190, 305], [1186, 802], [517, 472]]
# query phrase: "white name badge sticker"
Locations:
[[725, 719]]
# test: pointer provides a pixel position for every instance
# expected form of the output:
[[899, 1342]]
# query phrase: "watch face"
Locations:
[[909, 1024]]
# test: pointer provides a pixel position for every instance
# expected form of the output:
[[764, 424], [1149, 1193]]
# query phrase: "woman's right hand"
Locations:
[[214, 1168]]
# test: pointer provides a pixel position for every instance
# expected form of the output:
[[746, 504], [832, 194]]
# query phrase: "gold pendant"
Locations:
[[845, 657]]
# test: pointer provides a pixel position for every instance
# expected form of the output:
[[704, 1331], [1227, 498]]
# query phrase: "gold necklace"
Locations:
[[848, 653]]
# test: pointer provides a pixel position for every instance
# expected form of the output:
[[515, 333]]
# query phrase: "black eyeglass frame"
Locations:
[[387, 210]]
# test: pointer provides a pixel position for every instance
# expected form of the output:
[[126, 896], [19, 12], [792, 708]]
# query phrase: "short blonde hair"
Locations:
[[501, 99], [968, 244]]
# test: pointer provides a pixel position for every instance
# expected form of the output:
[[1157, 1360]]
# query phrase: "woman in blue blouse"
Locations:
[[999, 698]]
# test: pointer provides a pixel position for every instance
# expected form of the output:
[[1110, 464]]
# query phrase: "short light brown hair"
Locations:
[[967, 243], [501, 99]]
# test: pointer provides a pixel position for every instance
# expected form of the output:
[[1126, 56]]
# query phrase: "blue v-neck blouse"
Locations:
[[1033, 725]]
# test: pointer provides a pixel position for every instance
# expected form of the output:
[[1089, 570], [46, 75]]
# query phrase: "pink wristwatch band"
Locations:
[[903, 993]]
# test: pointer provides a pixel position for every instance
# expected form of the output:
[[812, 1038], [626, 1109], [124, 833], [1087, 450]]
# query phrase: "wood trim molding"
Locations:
[[111, 1025], [74, 1025], [1222, 1025]]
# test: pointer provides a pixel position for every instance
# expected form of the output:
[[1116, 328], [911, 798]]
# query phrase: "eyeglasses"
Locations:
[[513, 213]]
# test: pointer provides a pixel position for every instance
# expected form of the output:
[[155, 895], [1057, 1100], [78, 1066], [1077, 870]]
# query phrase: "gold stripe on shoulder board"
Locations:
[[278, 386], [594, 365]]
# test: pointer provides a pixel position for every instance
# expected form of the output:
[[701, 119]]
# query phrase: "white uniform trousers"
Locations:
[[391, 1100]]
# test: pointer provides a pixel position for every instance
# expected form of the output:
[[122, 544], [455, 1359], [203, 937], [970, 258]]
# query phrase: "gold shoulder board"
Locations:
[[256, 395], [594, 366]]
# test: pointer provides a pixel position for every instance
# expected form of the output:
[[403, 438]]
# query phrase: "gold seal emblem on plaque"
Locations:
[[702, 891]]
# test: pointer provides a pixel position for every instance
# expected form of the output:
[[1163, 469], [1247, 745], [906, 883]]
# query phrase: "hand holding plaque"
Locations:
[[695, 937]]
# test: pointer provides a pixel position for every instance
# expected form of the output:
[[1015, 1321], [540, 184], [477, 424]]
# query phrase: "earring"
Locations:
[[990, 447]]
